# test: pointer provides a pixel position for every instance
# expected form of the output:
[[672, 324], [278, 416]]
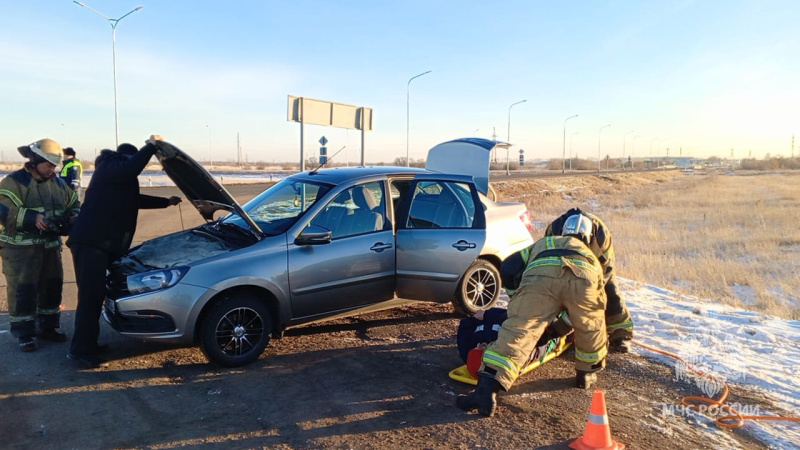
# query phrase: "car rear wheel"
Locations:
[[235, 331], [479, 288]]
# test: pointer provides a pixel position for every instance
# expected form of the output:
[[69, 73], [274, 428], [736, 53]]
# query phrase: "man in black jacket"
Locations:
[[104, 232]]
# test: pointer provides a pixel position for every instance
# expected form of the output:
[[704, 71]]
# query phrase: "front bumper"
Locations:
[[165, 315], [143, 322]]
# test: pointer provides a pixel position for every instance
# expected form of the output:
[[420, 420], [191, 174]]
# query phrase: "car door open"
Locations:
[[440, 233]]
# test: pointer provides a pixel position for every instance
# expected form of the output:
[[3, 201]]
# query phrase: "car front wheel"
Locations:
[[479, 288], [235, 331]]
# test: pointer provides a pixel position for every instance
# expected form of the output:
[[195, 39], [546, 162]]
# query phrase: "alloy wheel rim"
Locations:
[[239, 331], [481, 288]]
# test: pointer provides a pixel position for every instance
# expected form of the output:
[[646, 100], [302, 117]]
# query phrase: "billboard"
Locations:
[[321, 112]]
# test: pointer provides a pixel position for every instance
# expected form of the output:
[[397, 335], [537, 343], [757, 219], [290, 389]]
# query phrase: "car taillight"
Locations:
[[525, 217]]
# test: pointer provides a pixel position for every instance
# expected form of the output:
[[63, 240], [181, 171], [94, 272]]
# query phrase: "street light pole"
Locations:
[[598, 145], [633, 149], [408, 103], [564, 146], [508, 135], [624, 140], [113, 23], [570, 148]]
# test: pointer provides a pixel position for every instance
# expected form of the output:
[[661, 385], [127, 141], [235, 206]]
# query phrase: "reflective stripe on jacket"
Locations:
[[575, 255], [23, 195]]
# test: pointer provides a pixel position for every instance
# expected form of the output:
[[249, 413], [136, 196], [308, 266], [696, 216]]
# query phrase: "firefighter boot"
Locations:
[[620, 345], [484, 399], [585, 380]]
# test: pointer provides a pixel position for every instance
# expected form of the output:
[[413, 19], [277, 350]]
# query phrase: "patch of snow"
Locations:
[[744, 293], [784, 298], [746, 348]]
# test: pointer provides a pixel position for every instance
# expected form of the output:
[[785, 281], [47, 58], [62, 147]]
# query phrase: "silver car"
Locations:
[[317, 245]]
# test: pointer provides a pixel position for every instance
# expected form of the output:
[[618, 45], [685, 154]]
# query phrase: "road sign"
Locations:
[[521, 158], [323, 140], [521, 151]]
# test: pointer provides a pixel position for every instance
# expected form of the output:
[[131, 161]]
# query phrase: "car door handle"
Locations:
[[380, 246], [463, 245]]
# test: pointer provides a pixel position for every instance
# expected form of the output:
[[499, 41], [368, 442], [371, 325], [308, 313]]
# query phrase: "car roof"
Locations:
[[339, 175]]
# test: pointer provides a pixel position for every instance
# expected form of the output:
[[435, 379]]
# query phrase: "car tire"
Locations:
[[235, 331], [479, 288]]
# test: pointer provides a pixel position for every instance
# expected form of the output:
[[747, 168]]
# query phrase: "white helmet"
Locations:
[[579, 226], [46, 149]]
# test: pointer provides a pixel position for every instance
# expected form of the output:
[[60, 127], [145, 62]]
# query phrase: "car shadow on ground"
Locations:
[[301, 399], [361, 325]]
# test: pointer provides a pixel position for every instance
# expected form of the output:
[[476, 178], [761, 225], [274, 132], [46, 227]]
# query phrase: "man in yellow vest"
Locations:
[[72, 171], [562, 273]]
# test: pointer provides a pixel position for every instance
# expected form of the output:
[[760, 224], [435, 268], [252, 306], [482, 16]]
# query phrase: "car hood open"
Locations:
[[198, 185], [466, 156]]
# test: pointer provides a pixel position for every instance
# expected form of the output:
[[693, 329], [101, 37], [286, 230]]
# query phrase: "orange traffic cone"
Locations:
[[598, 433]]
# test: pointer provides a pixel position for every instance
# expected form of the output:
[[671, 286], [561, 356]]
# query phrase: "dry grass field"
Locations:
[[732, 237]]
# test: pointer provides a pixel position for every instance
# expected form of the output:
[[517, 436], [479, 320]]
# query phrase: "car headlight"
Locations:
[[155, 280]]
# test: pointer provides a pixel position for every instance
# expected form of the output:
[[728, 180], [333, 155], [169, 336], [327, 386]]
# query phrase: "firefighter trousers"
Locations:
[[619, 324], [34, 279], [540, 297]]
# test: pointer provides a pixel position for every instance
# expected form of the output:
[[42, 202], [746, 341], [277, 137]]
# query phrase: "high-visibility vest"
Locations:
[[68, 165]]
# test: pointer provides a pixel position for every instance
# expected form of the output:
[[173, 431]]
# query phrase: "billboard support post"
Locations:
[[322, 112]]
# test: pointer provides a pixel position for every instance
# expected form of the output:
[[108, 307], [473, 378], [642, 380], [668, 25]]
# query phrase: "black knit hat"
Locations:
[[127, 149]]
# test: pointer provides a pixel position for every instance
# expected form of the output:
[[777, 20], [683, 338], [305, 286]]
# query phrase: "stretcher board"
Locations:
[[462, 374]]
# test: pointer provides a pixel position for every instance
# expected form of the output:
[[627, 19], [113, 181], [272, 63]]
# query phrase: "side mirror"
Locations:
[[314, 235]]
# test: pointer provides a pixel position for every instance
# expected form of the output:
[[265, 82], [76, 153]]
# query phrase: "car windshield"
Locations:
[[279, 207]]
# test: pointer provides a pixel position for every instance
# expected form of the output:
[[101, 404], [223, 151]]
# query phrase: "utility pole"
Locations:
[[494, 138], [564, 146], [792, 146], [624, 138], [238, 149], [599, 132]]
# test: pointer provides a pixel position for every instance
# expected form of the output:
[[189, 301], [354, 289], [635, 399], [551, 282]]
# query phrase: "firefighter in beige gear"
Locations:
[[619, 324], [36, 208], [562, 274]]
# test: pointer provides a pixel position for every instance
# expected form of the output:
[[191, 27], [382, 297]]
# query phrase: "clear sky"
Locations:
[[702, 76]]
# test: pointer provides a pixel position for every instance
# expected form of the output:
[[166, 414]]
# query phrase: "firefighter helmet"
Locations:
[[43, 149], [579, 226]]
